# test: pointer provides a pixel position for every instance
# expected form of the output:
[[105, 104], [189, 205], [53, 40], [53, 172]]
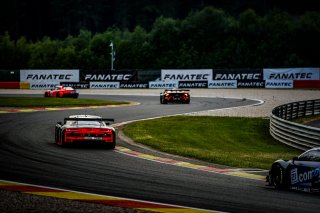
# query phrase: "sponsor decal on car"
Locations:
[[303, 176]]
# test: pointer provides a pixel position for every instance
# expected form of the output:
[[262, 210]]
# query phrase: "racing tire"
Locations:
[[278, 177], [112, 145], [62, 142]]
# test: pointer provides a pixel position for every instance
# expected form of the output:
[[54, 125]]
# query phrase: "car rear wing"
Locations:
[[89, 119], [177, 90]]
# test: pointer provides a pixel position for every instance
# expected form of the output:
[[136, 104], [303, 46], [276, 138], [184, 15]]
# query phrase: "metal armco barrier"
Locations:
[[293, 134]]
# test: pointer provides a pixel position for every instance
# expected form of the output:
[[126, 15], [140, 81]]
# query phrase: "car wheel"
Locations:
[[61, 142], [112, 145], [278, 177]]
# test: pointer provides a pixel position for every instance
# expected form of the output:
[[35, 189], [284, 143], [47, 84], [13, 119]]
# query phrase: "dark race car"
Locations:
[[62, 92], [85, 129], [301, 173], [175, 96]]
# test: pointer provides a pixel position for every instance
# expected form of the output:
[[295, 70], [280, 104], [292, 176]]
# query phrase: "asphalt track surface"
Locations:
[[28, 154]]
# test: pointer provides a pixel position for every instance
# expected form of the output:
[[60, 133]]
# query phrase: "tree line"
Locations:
[[206, 38]]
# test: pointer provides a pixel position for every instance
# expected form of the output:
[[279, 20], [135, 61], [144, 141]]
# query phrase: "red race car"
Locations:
[[90, 129], [175, 95], [61, 91]]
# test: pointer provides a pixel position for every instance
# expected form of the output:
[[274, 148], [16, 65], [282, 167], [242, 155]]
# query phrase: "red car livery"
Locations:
[[175, 96], [85, 129], [61, 91]]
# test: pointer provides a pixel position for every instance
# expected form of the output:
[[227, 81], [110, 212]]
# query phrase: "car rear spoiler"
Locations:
[[178, 90], [89, 119]]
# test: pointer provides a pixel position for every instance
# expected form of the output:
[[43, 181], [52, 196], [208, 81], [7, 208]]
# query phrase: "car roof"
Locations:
[[314, 149]]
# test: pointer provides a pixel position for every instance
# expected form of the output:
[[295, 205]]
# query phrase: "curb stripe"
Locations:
[[234, 172], [95, 198]]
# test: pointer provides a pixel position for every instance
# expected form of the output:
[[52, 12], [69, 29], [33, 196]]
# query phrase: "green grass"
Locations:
[[306, 119], [233, 141], [53, 102]]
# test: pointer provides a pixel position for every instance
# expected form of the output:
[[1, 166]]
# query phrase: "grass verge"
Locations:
[[233, 141], [306, 119], [53, 102]]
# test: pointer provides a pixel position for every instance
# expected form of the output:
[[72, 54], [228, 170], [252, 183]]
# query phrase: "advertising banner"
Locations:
[[284, 84], [193, 84], [104, 85], [237, 74], [251, 84], [222, 84], [76, 85], [186, 75], [133, 86], [43, 86], [49, 76], [161, 84], [292, 74], [108, 76]]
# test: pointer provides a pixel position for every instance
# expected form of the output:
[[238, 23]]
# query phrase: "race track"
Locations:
[[28, 154]]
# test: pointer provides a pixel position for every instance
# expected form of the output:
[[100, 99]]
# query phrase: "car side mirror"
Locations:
[[294, 159]]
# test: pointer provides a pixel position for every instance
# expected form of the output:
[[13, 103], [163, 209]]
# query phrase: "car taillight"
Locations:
[[108, 131]]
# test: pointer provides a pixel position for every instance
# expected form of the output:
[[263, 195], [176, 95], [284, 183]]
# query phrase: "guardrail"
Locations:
[[294, 134]]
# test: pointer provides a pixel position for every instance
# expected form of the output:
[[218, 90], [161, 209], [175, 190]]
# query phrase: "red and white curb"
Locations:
[[245, 173], [95, 198]]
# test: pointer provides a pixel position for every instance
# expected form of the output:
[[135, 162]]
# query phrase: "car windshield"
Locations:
[[86, 123], [57, 88], [313, 155]]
